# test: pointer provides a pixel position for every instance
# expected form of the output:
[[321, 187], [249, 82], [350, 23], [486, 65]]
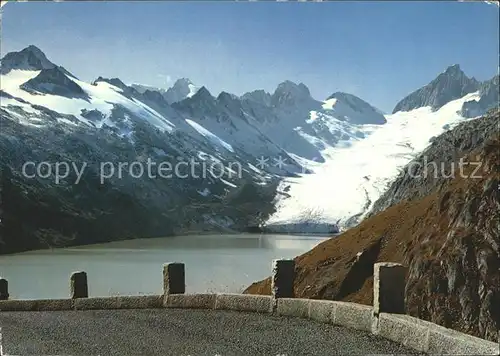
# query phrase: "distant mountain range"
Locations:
[[48, 114], [183, 88], [450, 85]]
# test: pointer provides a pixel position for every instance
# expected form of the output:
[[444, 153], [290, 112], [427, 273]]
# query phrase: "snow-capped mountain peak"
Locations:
[[348, 107], [449, 85], [343, 134], [224, 96], [290, 93], [201, 103], [54, 81], [365, 167], [142, 88], [30, 58], [259, 96], [183, 88], [113, 81], [455, 72], [489, 94], [228, 100]]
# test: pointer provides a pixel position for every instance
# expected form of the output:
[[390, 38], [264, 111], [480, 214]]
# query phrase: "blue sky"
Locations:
[[379, 51]]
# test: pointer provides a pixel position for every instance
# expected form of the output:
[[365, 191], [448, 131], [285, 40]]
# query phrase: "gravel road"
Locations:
[[179, 332]]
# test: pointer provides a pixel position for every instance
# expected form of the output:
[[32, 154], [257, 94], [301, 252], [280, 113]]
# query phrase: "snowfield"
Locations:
[[354, 177]]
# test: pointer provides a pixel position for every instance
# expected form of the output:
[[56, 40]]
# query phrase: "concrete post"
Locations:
[[174, 281], [78, 285], [282, 278], [4, 289], [389, 281]]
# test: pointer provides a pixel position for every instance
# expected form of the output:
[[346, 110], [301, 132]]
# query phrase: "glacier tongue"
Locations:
[[342, 190]]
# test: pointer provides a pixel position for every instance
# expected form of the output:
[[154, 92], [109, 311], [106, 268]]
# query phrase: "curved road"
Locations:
[[179, 332]]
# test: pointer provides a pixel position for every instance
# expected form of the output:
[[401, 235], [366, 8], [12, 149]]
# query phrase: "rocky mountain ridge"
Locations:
[[30, 58], [488, 91]]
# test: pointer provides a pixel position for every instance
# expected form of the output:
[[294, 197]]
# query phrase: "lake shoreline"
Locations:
[[181, 234], [216, 263]]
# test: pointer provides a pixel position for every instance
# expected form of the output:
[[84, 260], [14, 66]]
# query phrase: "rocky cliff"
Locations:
[[433, 168], [449, 85], [489, 99], [445, 230]]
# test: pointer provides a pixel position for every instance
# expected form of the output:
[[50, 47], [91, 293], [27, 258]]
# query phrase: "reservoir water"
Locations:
[[214, 263]]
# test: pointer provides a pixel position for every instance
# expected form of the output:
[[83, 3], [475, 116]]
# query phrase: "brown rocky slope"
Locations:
[[446, 234]]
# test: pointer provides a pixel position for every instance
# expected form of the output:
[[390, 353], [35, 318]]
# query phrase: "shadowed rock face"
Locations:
[[447, 148], [202, 103], [259, 96], [444, 230], [54, 81], [30, 58], [290, 94], [449, 85], [181, 90], [489, 92]]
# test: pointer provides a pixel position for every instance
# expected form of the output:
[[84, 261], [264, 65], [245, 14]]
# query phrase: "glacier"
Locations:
[[341, 191]]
